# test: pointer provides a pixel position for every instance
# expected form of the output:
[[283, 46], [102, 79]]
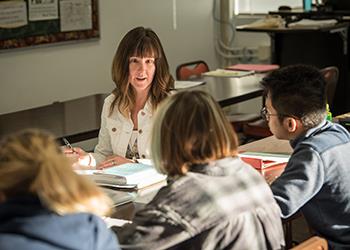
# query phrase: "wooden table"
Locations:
[[269, 145]]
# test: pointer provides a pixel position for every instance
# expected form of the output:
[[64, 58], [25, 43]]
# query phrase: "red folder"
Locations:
[[258, 68], [262, 164]]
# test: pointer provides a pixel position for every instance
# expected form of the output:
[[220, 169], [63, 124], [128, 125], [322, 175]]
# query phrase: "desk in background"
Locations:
[[231, 90], [80, 119], [322, 47], [321, 14], [77, 119]]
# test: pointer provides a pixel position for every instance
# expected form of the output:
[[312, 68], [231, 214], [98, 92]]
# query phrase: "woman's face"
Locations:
[[141, 72]]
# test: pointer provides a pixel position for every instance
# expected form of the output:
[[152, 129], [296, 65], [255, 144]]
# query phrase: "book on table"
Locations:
[[127, 176], [260, 160], [119, 197]]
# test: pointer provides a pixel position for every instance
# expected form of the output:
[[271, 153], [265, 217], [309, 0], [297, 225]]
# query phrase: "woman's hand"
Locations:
[[79, 158], [113, 160], [73, 151]]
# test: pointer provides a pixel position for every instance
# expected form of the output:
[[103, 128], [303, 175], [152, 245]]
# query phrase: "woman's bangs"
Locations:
[[146, 49]]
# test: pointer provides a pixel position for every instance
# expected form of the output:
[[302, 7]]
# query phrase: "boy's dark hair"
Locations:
[[298, 91]]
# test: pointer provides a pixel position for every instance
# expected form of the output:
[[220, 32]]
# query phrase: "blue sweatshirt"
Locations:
[[316, 181], [26, 224]]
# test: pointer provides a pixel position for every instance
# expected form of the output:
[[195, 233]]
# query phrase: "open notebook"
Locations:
[[126, 176]]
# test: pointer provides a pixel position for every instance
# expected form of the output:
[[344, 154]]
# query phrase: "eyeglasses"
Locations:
[[266, 115]]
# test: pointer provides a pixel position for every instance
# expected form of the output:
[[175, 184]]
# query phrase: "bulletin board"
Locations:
[[26, 23]]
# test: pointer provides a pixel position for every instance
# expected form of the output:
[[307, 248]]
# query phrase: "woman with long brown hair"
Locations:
[[141, 75]]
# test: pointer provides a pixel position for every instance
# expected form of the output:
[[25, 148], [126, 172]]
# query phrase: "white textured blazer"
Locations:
[[116, 130]]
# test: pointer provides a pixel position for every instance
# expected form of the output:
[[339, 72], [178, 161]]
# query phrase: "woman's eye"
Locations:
[[133, 60], [150, 61]]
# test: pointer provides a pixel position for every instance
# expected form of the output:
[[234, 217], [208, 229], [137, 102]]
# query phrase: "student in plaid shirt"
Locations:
[[213, 200]]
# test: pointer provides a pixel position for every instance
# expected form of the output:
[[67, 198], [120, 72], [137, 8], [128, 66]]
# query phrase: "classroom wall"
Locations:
[[39, 76]]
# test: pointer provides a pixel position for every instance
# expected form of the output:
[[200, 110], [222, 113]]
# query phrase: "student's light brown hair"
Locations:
[[190, 128], [140, 42], [31, 163]]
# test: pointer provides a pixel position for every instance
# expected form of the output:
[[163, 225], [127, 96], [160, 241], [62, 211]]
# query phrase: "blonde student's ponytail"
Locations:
[[31, 163]]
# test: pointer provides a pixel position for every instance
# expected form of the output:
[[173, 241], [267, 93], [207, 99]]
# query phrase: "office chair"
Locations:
[[259, 129], [331, 75], [191, 70], [313, 243]]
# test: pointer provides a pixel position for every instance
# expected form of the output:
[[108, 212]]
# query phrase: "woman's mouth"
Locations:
[[141, 78]]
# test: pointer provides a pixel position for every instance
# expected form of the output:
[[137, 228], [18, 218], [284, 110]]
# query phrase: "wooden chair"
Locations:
[[313, 243], [190, 70], [260, 129]]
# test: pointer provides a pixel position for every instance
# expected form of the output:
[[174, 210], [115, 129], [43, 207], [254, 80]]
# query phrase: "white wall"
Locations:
[[39, 76]]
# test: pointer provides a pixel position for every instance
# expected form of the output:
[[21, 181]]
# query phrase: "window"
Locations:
[[262, 6]]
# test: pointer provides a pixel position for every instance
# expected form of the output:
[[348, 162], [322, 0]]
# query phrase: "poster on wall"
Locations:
[[26, 23], [75, 15], [42, 10], [13, 14]]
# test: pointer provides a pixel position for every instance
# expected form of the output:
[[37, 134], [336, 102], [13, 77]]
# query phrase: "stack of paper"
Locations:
[[187, 84], [227, 73], [268, 22], [309, 23]]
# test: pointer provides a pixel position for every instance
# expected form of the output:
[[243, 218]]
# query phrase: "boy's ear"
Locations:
[[291, 124]]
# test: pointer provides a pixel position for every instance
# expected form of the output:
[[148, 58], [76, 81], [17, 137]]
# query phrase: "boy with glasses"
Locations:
[[316, 180]]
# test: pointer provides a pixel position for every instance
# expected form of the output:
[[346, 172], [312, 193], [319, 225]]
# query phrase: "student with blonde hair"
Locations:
[[213, 200], [44, 204]]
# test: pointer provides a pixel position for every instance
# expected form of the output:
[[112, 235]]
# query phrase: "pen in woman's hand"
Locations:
[[68, 145]]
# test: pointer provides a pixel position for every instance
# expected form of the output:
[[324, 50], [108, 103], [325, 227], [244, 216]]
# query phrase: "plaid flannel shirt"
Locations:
[[223, 205]]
